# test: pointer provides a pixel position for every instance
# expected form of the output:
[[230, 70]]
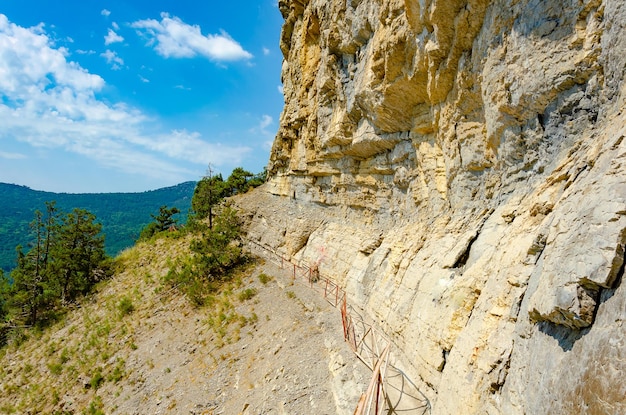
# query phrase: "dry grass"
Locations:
[[138, 344], [88, 349]]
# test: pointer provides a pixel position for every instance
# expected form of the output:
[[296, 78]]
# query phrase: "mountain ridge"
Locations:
[[122, 214]]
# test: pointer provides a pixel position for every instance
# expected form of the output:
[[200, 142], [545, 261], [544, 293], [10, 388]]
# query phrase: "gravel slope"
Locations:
[[281, 351]]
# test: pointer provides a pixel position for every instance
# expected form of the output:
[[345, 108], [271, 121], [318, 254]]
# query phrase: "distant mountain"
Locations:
[[122, 215]]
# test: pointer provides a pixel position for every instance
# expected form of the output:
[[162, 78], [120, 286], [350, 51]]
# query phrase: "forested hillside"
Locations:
[[122, 215]]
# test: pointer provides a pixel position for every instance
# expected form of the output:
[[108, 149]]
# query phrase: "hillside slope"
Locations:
[[460, 168], [138, 347], [122, 215]]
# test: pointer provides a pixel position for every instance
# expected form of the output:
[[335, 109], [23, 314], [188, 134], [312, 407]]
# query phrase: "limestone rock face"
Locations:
[[459, 166]]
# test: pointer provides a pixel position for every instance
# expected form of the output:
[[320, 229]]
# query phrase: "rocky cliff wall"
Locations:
[[459, 166]]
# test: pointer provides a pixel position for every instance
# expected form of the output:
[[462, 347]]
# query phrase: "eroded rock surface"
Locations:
[[459, 166]]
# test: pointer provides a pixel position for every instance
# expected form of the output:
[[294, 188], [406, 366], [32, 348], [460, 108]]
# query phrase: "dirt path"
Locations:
[[265, 346], [290, 360]]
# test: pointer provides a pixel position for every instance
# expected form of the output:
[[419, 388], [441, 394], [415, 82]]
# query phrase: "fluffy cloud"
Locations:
[[112, 59], [47, 101], [105, 13], [171, 37], [112, 37], [29, 65]]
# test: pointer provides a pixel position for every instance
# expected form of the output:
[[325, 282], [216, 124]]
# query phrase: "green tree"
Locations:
[[165, 219], [4, 291], [5, 287], [31, 290], [215, 254], [238, 180], [162, 222], [258, 179], [209, 191], [78, 254]]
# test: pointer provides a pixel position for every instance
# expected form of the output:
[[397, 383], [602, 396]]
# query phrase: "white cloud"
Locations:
[[281, 89], [11, 156], [261, 127], [171, 37], [29, 63], [105, 12], [49, 102], [112, 59], [115, 26], [112, 37], [86, 52], [144, 80], [266, 121], [266, 51]]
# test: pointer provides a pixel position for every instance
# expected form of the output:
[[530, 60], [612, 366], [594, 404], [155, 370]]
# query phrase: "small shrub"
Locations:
[[96, 379], [125, 306], [95, 407], [247, 294], [118, 372], [55, 368], [7, 409], [291, 294], [264, 278], [65, 355]]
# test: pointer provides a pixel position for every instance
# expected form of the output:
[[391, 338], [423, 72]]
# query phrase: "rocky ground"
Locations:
[[292, 360], [265, 346]]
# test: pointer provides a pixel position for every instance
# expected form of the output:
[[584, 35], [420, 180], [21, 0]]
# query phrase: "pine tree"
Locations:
[[209, 191], [165, 219], [32, 290], [77, 254], [4, 292], [238, 180]]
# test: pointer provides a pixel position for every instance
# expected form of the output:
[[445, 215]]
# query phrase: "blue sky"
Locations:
[[103, 96]]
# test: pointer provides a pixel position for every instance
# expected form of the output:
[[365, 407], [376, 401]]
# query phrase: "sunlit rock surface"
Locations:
[[460, 168]]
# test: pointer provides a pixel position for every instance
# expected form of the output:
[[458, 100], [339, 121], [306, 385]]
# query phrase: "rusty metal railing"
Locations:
[[390, 390]]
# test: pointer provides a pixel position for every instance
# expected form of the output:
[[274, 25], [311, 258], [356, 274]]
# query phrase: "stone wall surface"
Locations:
[[459, 166]]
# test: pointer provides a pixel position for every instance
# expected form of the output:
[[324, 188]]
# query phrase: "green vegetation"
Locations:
[[125, 306], [212, 189], [209, 192], [62, 262], [247, 294], [162, 222], [65, 261], [122, 215], [215, 246], [264, 278], [215, 253]]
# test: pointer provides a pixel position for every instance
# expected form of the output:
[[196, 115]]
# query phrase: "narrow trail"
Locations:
[[390, 391], [292, 360]]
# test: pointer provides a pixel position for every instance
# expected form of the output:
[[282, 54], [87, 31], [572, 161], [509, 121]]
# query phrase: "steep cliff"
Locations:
[[459, 166]]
